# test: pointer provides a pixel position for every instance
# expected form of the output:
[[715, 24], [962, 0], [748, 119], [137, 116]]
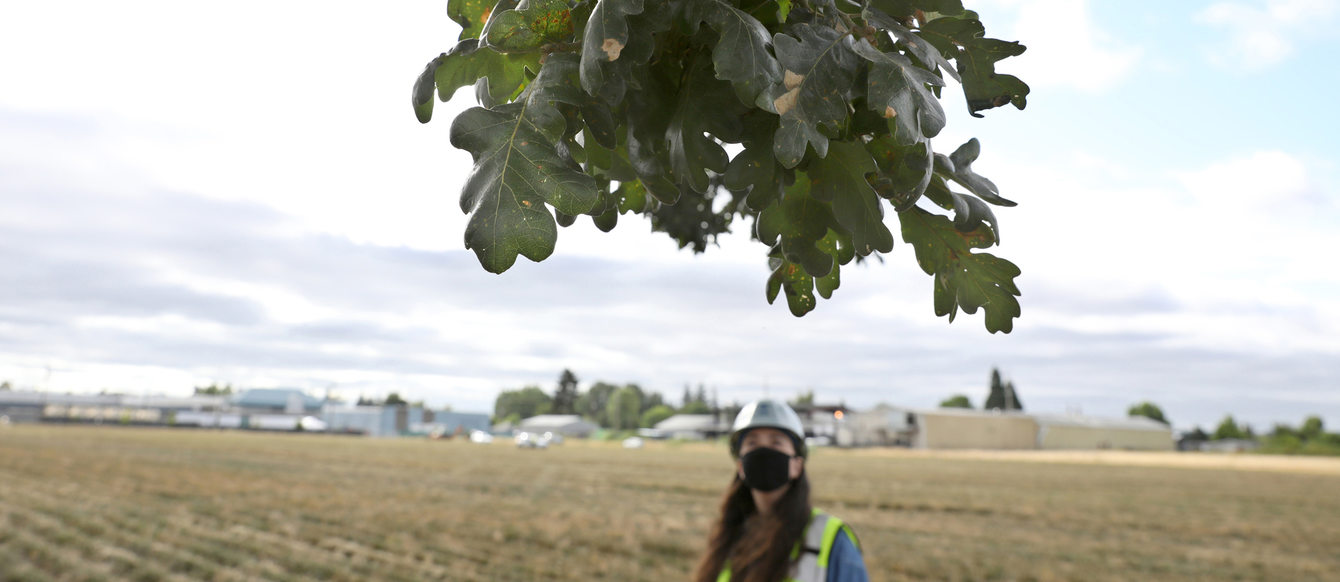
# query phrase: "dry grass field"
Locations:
[[109, 503]]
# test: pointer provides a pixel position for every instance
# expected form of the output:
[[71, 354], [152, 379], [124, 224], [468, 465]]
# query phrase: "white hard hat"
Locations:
[[767, 414]]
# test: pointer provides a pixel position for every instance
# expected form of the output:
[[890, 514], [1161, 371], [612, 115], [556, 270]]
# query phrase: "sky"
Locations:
[[195, 193]]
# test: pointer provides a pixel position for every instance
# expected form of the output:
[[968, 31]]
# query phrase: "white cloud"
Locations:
[[1066, 47], [1262, 181], [1226, 255], [1262, 35]]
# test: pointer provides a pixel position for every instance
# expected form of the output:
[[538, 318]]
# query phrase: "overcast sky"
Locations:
[[198, 193]]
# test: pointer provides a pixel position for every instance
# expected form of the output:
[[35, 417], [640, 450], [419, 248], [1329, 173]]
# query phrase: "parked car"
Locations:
[[529, 440], [481, 437], [632, 443]]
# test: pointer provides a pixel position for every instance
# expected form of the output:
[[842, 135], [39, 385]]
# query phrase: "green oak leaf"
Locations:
[[691, 221], [604, 39], [799, 221], [704, 105], [497, 77], [792, 278], [959, 165], [963, 279], [905, 9], [649, 112], [904, 171], [839, 247], [612, 162], [922, 50], [962, 39], [607, 220], [473, 14], [755, 170], [897, 89], [517, 171], [632, 197], [839, 178], [422, 97], [605, 215], [969, 211], [820, 69], [798, 284], [558, 80], [649, 164], [771, 13], [628, 71], [740, 54], [529, 26]]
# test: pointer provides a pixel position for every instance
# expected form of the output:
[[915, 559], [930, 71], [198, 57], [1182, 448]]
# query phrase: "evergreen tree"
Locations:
[[1002, 395], [565, 397], [1012, 398], [995, 398]]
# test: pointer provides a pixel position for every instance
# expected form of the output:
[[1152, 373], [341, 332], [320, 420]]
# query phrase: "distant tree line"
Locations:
[[613, 406], [1000, 395], [214, 390]]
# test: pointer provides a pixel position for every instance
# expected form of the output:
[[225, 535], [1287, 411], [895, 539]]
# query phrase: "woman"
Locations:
[[767, 531]]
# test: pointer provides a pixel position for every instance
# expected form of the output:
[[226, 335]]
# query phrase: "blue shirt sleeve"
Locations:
[[845, 563]]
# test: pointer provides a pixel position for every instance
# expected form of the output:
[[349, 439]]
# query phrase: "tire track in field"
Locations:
[[77, 521], [198, 546], [114, 552]]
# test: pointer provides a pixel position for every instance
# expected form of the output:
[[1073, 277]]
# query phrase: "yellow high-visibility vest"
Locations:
[[813, 550]]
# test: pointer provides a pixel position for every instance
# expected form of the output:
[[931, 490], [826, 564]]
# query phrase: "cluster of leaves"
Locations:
[[804, 116]]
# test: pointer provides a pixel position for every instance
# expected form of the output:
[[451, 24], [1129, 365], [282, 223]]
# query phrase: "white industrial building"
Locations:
[[687, 427], [957, 428], [570, 425]]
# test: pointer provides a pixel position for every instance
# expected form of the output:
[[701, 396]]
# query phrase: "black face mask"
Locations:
[[766, 469]]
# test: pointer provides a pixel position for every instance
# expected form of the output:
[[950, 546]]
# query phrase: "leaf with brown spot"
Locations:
[[517, 171], [606, 35], [529, 26], [473, 14], [963, 39], [962, 279], [824, 68], [895, 84]]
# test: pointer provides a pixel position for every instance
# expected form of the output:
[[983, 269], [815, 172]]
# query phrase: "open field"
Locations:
[[109, 503]]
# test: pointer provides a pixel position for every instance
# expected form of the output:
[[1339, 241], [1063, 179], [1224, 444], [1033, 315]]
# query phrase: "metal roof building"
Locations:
[[564, 424], [286, 400], [1070, 431], [690, 426], [957, 428]]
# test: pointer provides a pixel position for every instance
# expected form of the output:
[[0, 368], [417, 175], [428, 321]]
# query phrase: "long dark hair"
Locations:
[[757, 546]]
